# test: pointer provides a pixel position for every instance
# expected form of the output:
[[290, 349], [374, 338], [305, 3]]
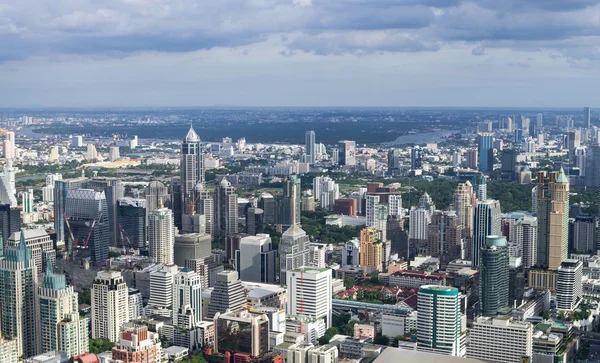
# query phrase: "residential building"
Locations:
[[110, 305], [40, 244], [569, 285], [493, 275], [444, 236], [161, 236], [500, 339], [226, 210], [157, 194], [137, 345], [487, 222], [371, 249]]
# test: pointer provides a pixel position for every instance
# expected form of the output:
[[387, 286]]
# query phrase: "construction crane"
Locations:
[[123, 237], [73, 241], [193, 205]]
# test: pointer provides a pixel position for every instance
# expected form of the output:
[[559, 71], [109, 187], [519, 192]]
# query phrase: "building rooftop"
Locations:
[[404, 355]]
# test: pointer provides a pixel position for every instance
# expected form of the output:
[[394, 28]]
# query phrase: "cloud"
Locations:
[[119, 28]]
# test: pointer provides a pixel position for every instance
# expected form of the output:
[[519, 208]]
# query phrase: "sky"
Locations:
[[485, 53]]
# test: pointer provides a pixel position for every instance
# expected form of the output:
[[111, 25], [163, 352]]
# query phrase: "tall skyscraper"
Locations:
[[416, 158], [40, 244], [61, 188], [485, 142], [419, 219], [465, 201], [371, 249], [552, 203], [290, 206], [347, 153], [131, 221], [254, 221], [584, 233], [445, 236], [266, 202], [493, 275], [161, 236], [310, 146], [226, 209], [509, 164], [187, 292], [592, 167], [228, 294], [569, 289], [18, 274], [573, 142], [205, 205], [10, 221], [293, 251], [87, 223], [487, 222], [113, 190], [439, 321], [161, 291], [393, 162], [110, 305], [397, 236], [156, 193], [587, 119], [521, 230], [539, 121], [255, 260], [192, 169], [59, 326], [309, 293]]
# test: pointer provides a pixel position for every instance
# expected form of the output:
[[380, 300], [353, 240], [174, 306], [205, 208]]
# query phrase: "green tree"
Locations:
[[194, 358], [381, 340], [85, 297], [100, 345], [349, 282]]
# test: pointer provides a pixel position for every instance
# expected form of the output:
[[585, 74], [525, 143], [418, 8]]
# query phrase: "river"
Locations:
[[422, 138]]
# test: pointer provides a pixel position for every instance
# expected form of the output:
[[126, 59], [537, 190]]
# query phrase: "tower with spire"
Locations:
[[192, 169]]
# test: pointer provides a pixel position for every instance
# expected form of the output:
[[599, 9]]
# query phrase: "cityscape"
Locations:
[[475, 240]]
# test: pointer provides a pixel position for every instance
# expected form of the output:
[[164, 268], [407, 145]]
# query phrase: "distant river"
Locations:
[[422, 138], [30, 177]]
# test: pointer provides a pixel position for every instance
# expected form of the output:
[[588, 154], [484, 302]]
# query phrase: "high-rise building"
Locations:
[[487, 222], [205, 205], [241, 332], [228, 294], [40, 244], [59, 326], [587, 119], [485, 147], [131, 221], [61, 188], [137, 345], [419, 219], [465, 201], [191, 246], [8, 185], [509, 164], [439, 321], [573, 142], [113, 190], [8, 351], [27, 201], [416, 158], [293, 251], [539, 121], [500, 339], [255, 260], [161, 290], [18, 274], [493, 275], [77, 141], [192, 169], [397, 236], [371, 249], [521, 230], [113, 153], [393, 162], [472, 159], [266, 202], [445, 236], [351, 253], [110, 305], [187, 293], [309, 293], [347, 153], [48, 189], [480, 187], [584, 233], [92, 154], [156, 194], [326, 191], [87, 225], [254, 221], [176, 201], [226, 209], [310, 147], [377, 214], [568, 287], [552, 203], [161, 236], [592, 167]]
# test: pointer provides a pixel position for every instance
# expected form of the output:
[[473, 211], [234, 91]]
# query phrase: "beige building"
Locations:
[[364, 331], [500, 339], [371, 249], [40, 244], [110, 305]]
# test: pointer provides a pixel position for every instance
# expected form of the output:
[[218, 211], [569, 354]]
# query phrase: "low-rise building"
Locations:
[[500, 339]]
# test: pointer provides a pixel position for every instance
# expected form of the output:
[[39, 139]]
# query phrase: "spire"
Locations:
[[562, 178], [22, 244], [191, 135]]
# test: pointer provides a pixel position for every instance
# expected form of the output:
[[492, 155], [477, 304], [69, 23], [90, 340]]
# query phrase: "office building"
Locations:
[[176, 201], [293, 251], [91, 154], [500, 339], [27, 201], [326, 191], [256, 259], [397, 236], [241, 332], [161, 290], [487, 222], [345, 206], [59, 325], [191, 246], [205, 206], [161, 236], [509, 164], [587, 118], [77, 141], [113, 153], [254, 221], [351, 253], [228, 294], [88, 232], [226, 210], [439, 321], [347, 153], [131, 221], [137, 345], [465, 201], [157, 194], [592, 167], [444, 236], [393, 162], [493, 275], [289, 207], [192, 169], [521, 229], [113, 190], [552, 204], [472, 159], [187, 293], [416, 158], [110, 305], [266, 202], [485, 142], [480, 187], [309, 293], [48, 189], [569, 285], [18, 274], [584, 233], [61, 188], [419, 219], [371, 249], [310, 147]]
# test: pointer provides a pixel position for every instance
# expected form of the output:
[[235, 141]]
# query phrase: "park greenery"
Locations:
[[100, 345], [313, 223], [194, 358]]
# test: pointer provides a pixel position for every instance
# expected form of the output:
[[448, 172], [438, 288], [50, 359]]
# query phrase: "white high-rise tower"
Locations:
[[161, 235]]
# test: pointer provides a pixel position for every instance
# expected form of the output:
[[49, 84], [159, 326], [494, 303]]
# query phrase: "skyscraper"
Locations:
[[293, 251], [487, 222], [521, 230], [309, 293], [290, 206], [552, 203], [87, 223], [254, 221], [587, 119], [110, 305], [569, 289], [131, 221], [18, 276], [205, 205], [156, 193], [61, 188], [192, 169], [10, 221], [416, 158], [592, 167], [59, 326], [161, 291], [113, 190], [500, 339], [509, 164], [393, 161], [187, 292], [226, 210], [255, 260], [40, 244], [310, 146], [445, 236], [439, 321], [347, 153], [465, 201], [161, 236], [228, 294], [485, 142], [371, 249], [493, 275]]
